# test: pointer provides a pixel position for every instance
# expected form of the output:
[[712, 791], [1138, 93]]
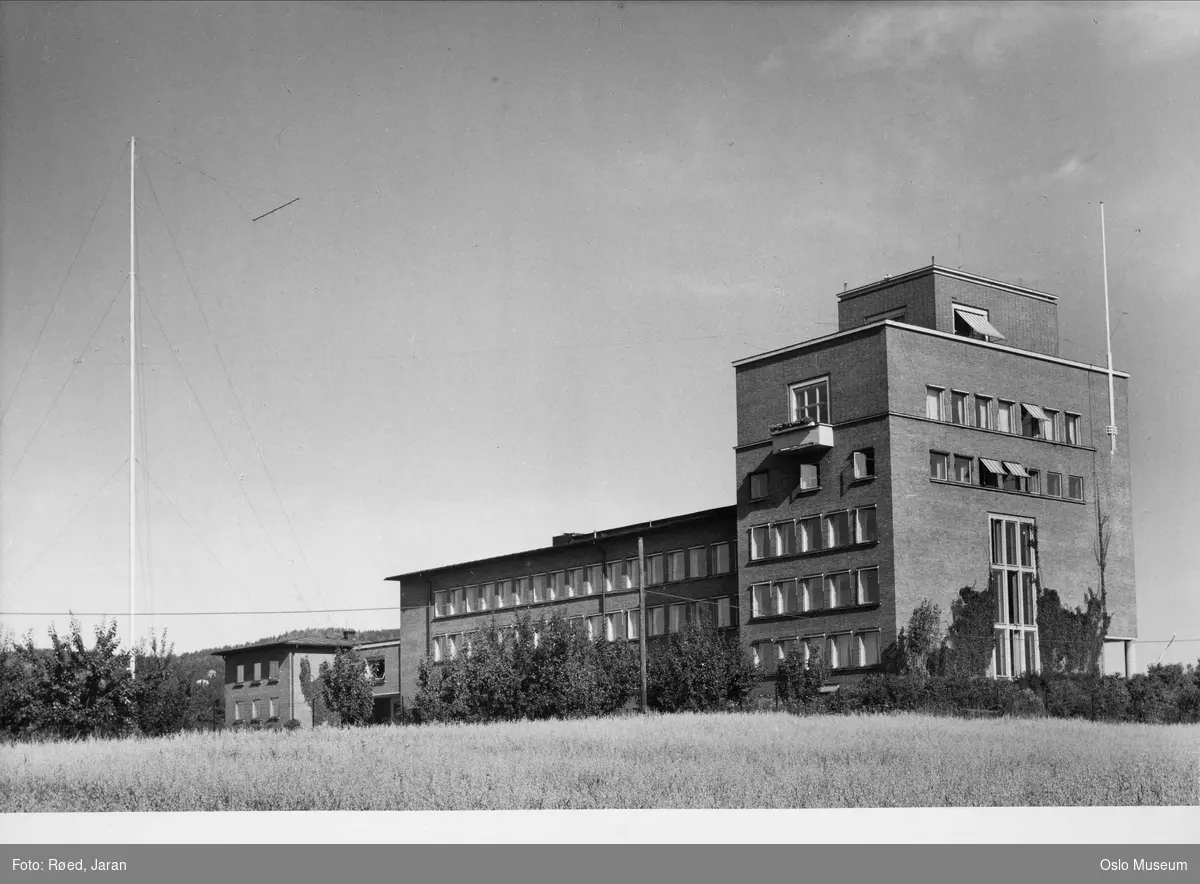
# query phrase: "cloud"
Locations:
[[912, 37], [1149, 32]]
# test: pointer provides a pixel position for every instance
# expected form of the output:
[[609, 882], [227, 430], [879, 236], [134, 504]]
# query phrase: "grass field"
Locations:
[[677, 761]]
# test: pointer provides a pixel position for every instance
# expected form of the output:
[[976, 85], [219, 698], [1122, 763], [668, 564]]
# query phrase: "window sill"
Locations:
[[853, 547], [805, 615], [934, 481], [995, 432], [273, 680], [864, 480]]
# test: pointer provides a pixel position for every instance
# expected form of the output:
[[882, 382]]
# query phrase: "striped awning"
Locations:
[[980, 324], [1016, 469], [1035, 411], [993, 465]]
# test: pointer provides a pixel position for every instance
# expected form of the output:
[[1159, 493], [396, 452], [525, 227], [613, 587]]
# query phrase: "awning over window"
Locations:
[[993, 465], [1016, 469], [1035, 411], [979, 324]]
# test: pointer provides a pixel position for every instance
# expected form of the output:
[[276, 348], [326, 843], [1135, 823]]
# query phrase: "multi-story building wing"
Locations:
[[935, 441]]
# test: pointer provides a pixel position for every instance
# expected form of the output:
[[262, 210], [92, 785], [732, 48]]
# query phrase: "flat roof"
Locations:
[[309, 641], [584, 539], [944, 271], [858, 329]]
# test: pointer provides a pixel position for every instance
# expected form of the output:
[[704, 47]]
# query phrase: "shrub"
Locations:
[[292, 724], [699, 670], [798, 682]]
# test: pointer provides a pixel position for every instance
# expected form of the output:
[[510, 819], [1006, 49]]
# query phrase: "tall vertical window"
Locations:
[[254, 710], [760, 600], [503, 594], [868, 586], [556, 585], [441, 605], [958, 408], [939, 465], [1006, 417], [698, 561], [633, 625], [1051, 424], [593, 580], [470, 599], [258, 671], [237, 710], [810, 477], [812, 592], [864, 524], [838, 651], [1054, 484], [595, 627], [612, 626], [725, 611], [520, 592], [539, 588], [633, 574], [784, 541], [1013, 574], [654, 569], [839, 589], [810, 401], [241, 673], [868, 648], [273, 708], [574, 582], [438, 648], [655, 621], [935, 408], [676, 565], [1074, 487], [787, 599], [809, 534], [760, 540], [273, 669], [1072, 428], [613, 578], [487, 597], [675, 617], [759, 486], [962, 469], [983, 412], [721, 558]]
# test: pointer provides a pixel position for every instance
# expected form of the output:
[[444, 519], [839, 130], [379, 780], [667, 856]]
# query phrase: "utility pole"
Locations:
[[132, 409], [1111, 429], [642, 615]]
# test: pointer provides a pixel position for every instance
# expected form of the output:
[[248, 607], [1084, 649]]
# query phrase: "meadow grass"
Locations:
[[759, 760]]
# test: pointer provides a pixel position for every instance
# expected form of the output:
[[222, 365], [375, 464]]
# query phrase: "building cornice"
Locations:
[[933, 269]]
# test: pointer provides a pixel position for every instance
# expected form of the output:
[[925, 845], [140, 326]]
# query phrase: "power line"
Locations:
[[233, 391], [62, 288], [189, 613]]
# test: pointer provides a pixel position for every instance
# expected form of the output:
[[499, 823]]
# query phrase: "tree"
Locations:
[[698, 670], [346, 687], [1071, 640], [798, 682], [81, 692], [917, 646], [162, 691]]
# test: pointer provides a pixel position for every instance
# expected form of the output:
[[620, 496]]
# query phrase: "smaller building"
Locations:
[[262, 681], [383, 663]]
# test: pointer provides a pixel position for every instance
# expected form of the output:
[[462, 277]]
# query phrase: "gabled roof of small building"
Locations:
[[301, 641]]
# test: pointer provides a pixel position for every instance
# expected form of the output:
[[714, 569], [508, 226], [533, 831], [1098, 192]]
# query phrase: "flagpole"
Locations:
[[1111, 429], [132, 409]]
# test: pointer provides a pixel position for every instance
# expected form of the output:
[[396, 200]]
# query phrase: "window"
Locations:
[[654, 569], [1054, 484], [938, 465], [837, 529], [1051, 424], [721, 562], [1034, 481], [471, 599], [273, 670], [1033, 421], [633, 622], [593, 581], [273, 708], [864, 463], [237, 710], [962, 469], [614, 579], [810, 477], [254, 710], [896, 314], [612, 626], [810, 401], [787, 598], [759, 486], [958, 408], [810, 534], [864, 525], [595, 626], [784, 538], [935, 403], [971, 322], [983, 412], [838, 651], [375, 668], [439, 648], [633, 574], [457, 605], [675, 617], [1006, 417], [556, 585], [441, 603], [258, 671], [991, 473], [676, 562], [868, 648], [1072, 428], [241, 673], [840, 589], [763, 656], [1013, 574], [540, 586], [760, 600], [520, 592], [1017, 478], [725, 612], [452, 646], [812, 594], [654, 621], [487, 597], [574, 582], [698, 562], [759, 541], [1074, 487], [868, 586], [503, 594]]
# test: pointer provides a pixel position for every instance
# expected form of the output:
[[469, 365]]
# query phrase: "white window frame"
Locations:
[[970, 462], [1059, 478], [676, 616], [1013, 569], [761, 598], [805, 535], [656, 569], [717, 550], [983, 412], [441, 603], [1067, 495], [593, 580], [861, 576], [656, 621], [697, 561], [780, 532], [830, 539], [935, 396], [633, 623], [521, 589], [240, 674], [1006, 413], [832, 652], [831, 589], [786, 596], [610, 625], [760, 542], [861, 639], [964, 397], [1072, 428], [864, 463], [859, 533], [254, 707], [676, 565], [257, 670], [810, 476], [272, 708], [614, 578], [794, 409], [724, 612], [812, 592], [942, 457], [238, 710]]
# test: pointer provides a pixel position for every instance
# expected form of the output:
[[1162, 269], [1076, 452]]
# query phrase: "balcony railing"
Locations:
[[801, 438]]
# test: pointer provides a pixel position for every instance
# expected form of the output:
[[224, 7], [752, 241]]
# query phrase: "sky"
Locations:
[[527, 242]]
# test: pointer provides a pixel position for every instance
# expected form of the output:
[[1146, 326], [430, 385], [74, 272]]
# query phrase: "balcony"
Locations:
[[801, 439]]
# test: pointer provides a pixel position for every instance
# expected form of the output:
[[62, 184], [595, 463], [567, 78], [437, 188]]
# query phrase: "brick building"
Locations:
[[935, 441]]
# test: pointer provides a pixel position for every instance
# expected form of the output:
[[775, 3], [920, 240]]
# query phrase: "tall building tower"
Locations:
[[936, 441]]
